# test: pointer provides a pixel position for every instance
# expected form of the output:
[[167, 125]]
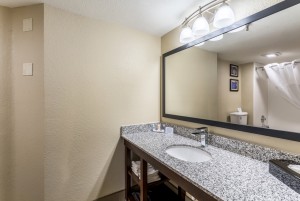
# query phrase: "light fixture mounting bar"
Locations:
[[202, 9]]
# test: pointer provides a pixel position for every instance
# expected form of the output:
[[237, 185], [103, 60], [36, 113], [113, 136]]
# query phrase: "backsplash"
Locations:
[[247, 149], [138, 128]]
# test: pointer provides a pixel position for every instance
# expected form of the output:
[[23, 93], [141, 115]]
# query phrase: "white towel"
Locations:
[[135, 166], [152, 174]]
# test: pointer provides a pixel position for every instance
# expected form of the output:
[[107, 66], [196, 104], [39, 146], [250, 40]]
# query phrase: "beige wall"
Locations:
[[5, 103], [98, 76], [247, 92], [27, 106], [228, 101], [171, 41], [94, 76], [185, 81]]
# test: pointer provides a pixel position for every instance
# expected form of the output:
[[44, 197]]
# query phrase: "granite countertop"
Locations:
[[227, 176]]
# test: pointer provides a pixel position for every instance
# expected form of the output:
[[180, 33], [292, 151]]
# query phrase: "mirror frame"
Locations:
[[245, 128]]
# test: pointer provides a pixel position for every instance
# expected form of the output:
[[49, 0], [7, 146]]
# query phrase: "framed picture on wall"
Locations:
[[234, 70], [234, 85]]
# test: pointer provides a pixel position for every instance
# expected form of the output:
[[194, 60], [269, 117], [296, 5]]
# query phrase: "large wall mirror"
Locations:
[[240, 82]]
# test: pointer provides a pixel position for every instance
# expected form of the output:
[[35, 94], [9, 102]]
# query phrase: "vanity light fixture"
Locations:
[[186, 35], [200, 27], [224, 16]]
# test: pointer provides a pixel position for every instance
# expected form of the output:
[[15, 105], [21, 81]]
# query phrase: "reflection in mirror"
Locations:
[[197, 79]]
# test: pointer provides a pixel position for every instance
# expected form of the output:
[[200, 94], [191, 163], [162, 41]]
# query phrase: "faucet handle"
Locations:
[[203, 129], [203, 140], [203, 132]]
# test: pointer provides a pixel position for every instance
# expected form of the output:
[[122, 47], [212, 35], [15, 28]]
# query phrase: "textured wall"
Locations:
[[98, 76], [27, 106], [243, 8], [5, 123]]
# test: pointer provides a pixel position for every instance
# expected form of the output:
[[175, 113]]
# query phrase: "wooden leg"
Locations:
[[143, 184], [127, 176], [181, 194]]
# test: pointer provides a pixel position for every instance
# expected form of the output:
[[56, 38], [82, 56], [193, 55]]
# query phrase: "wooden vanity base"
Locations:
[[145, 158]]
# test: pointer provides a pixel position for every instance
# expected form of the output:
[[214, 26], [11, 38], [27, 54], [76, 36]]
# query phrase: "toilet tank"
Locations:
[[239, 118]]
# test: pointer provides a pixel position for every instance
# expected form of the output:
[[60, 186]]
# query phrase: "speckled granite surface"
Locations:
[[137, 128], [254, 151], [240, 147], [250, 150], [228, 176]]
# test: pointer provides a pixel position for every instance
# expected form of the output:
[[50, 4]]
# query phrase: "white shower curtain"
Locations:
[[286, 78]]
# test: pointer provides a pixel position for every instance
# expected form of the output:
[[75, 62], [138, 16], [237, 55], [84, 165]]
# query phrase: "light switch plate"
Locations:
[[27, 69], [27, 24]]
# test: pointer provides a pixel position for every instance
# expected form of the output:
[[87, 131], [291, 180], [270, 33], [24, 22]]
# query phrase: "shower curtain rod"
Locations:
[[262, 67]]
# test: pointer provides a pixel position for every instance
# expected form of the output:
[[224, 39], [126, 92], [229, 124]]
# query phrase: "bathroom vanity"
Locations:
[[146, 157], [227, 176]]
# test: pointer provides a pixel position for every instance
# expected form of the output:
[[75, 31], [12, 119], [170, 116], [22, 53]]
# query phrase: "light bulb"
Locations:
[[186, 35], [224, 16], [200, 27]]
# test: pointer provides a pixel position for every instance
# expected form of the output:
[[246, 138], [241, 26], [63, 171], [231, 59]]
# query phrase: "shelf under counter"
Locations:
[[185, 185], [159, 193], [149, 185], [227, 176]]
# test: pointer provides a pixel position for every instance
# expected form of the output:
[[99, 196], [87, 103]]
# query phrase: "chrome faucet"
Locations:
[[203, 133]]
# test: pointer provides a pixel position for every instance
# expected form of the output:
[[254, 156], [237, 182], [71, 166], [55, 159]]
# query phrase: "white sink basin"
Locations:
[[187, 153]]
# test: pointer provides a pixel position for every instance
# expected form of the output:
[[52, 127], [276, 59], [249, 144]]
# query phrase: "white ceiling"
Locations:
[[156, 17]]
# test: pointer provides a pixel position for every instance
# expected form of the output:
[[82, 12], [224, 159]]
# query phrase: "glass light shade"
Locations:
[[220, 37], [186, 35], [200, 27], [238, 29], [200, 44], [224, 16]]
